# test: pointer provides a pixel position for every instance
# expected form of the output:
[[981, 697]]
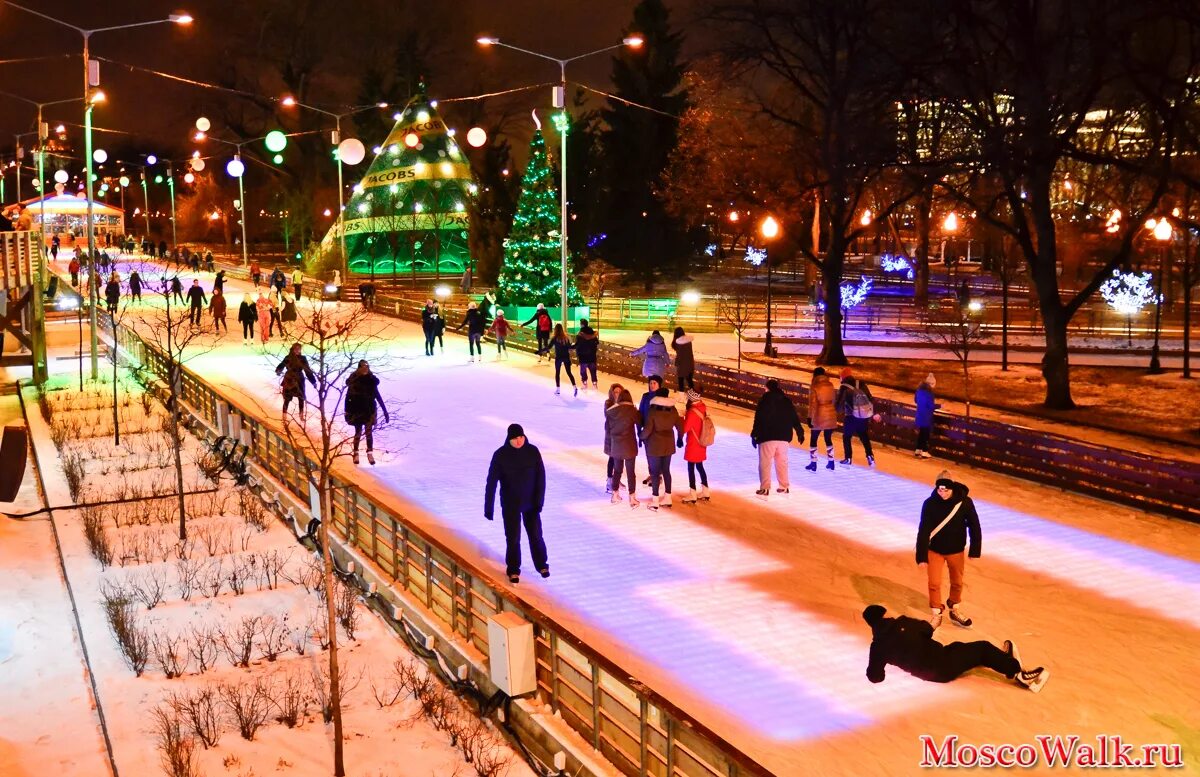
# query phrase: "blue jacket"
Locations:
[[925, 405], [654, 354]]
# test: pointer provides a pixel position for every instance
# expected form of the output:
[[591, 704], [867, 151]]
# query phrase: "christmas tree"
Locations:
[[408, 214], [532, 271]]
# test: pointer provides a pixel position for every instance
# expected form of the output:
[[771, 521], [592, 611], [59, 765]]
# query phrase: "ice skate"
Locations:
[[514, 578], [870, 461], [783, 491], [666, 500], [763, 493], [935, 620], [1010, 647], [634, 501], [652, 503], [812, 466], [608, 487], [471, 360], [354, 457], [690, 499], [1034, 679], [557, 391], [958, 618], [371, 458], [829, 465], [615, 498], [846, 462], [544, 571], [704, 495], [576, 390]]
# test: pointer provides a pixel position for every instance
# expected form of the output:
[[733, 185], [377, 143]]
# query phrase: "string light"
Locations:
[[1127, 293]]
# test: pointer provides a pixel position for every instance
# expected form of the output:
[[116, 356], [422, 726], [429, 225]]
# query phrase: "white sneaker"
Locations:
[[1034, 679], [936, 619], [690, 499]]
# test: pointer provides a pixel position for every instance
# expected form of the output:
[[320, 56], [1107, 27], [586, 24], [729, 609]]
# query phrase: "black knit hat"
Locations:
[[514, 431], [873, 614]]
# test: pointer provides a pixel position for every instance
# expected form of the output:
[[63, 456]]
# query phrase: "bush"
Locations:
[[202, 711], [248, 705], [176, 748], [94, 531], [132, 637]]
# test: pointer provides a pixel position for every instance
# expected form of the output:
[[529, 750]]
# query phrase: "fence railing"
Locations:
[[1146, 482], [640, 732]]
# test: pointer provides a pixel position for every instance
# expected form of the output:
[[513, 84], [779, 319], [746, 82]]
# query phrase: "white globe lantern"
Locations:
[[198, 165], [352, 151], [100, 155], [235, 168], [203, 124], [476, 137], [124, 180], [62, 176]]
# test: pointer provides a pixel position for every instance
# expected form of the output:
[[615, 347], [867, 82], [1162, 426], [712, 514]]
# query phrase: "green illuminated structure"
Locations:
[[532, 261], [408, 214]]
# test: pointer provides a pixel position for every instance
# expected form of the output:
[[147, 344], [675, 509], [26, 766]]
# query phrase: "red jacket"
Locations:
[[693, 422], [499, 327]]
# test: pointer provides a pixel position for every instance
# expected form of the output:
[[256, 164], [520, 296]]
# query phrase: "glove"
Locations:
[[679, 443], [753, 443]]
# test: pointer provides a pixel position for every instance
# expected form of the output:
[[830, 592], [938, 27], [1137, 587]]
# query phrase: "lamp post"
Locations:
[[1163, 234], [171, 186], [769, 229], [89, 100], [560, 101]]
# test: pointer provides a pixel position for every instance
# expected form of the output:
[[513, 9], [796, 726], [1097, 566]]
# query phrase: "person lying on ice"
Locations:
[[909, 644]]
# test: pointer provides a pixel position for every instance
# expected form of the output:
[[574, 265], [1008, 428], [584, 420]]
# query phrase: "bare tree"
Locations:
[[953, 329], [735, 310]]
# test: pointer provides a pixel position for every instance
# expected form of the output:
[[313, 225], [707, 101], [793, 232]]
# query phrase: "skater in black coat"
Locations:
[[429, 322], [587, 347], [362, 395], [247, 317], [177, 289], [774, 419], [197, 300], [475, 323], [518, 469], [562, 347], [909, 644], [294, 368], [135, 286], [946, 518]]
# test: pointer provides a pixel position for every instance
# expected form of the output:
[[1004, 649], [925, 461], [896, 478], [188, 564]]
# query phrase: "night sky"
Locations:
[[229, 39]]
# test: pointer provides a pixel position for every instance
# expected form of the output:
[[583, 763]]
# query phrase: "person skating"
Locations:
[[654, 355], [135, 286], [429, 317], [947, 517], [216, 307], [55, 243], [112, 293], [177, 289], [276, 321], [857, 406], [621, 421], [263, 309], [439, 327], [73, 268], [255, 273], [247, 317], [542, 326], [294, 369], [653, 384], [822, 417], [362, 396], [219, 281], [197, 299], [685, 360], [194, 261], [697, 431], [614, 396], [926, 403], [287, 310], [500, 330], [660, 435], [162, 249], [210, 264], [517, 468], [487, 307], [587, 347], [298, 282], [278, 280], [562, 347], [908, 643], [774, 419], [473, 321]]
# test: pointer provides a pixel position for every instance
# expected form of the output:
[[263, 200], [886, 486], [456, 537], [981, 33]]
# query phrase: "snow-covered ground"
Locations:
[[746, 614]]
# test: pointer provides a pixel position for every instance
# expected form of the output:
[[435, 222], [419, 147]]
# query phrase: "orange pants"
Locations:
[[958, 565]]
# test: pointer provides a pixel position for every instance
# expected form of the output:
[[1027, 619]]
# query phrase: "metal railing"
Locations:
[[640, 732]]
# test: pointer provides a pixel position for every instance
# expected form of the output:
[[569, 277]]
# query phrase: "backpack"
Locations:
[[708, 432], [860, 403]]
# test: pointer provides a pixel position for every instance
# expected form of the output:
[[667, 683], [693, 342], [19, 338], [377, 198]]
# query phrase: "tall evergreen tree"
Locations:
[[640, 234], [532, 262]]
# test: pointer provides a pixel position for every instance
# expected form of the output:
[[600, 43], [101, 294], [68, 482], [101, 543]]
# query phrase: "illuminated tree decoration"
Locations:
[[852, 296], [891, 263], [1127, 293], [756, 256], [532, 259]]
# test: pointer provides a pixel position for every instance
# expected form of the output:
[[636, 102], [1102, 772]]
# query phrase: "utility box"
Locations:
[[511, 654]]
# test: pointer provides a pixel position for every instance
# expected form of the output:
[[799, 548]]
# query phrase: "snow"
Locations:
[[745, 613]]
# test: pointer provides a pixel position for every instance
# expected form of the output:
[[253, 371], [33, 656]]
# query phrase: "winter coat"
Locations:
[[644, 408], [294, 370], [562, 350], [289, 311], [73, 266], [685, 362], [693, 423], [500, 327], [217, 306], [654, 356], [544, 324], [277, 278], [264, 317], [362, 395], [620, 431], [112, 293], [247, 313], [176, 286], [473, 321], [428, 317], [255, 269], [522, 479], [926, 404], [822, 410], [907, 643], [775, 418], [845, 395], [197, 297], [135, 283], [219, 281], [953, 536], [297, 277], [587, 345], [662, 423]]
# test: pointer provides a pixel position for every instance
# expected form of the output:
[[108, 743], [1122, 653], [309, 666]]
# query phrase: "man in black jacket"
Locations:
[[587, 345], [517, 467], [946, 518], [774, 419], [474, 322], [855, 403], [197, 299], [909, 644]]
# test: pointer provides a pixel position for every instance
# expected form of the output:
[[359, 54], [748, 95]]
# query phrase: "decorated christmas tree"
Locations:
[[532, 270], [408, 214]]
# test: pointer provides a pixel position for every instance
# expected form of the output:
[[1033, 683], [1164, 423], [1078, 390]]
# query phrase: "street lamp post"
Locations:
[[769, 229], [1163, 234], [89, 100], [560, 101]]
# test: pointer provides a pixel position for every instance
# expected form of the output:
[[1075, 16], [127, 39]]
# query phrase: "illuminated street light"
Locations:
[[769, 229], [1163, 233]]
